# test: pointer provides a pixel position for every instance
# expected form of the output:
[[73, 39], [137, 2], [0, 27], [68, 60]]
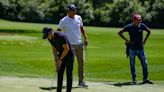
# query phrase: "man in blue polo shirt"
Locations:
[[135, 45], [63, 56]]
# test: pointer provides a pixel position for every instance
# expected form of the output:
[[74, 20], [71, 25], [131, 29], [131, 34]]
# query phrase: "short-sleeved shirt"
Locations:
[[136, 35], [59, 40], [71, 28]]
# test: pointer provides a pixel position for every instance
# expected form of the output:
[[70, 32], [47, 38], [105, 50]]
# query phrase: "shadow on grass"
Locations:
[[64, 87], [18, 31], [120, 84]]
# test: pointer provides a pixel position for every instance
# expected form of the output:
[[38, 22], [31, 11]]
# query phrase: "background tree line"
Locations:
[[93, 12]]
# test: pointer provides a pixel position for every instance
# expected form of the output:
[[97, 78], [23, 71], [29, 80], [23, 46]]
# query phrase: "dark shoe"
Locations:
[[147, 81], [82, 85], [134, 82]]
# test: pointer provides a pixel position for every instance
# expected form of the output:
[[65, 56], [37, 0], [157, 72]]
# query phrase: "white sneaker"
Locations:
[[82, 84]]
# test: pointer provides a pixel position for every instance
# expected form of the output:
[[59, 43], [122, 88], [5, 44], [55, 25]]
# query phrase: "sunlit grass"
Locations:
[[26, 54]]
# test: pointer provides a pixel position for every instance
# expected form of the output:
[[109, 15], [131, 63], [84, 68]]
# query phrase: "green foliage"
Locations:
[[102, 15], [30, 11], [147, 15], [119, 12], [85, 10], [4, 5], [93, 12], [158, 10]]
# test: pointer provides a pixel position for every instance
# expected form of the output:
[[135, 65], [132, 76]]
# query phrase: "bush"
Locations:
[[106, 13], [119, 12], [158, 11], [4, 6], [85, 9], [123, 9], [102, 15]]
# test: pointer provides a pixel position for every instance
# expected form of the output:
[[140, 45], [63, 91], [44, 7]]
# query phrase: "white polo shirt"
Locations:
[[71, 28]]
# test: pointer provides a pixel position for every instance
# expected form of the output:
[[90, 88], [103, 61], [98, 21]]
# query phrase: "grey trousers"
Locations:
[[78, 51]]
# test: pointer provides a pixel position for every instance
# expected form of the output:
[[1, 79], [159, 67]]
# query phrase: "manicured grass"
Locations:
[[17, 27], [26, 54]]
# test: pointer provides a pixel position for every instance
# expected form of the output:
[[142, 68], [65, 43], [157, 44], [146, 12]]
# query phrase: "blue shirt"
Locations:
[[136, 35]]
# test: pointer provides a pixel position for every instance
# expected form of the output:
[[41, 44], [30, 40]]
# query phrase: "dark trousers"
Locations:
[[68, 64]]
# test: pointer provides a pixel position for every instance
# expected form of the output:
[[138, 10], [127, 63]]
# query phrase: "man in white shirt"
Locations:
[[72, 27]]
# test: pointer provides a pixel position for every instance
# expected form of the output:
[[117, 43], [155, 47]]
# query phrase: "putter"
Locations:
[[86, 59], [50, 90]]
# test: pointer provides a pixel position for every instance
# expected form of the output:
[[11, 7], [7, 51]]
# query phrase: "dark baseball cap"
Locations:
[[71, 7], [45, 32]]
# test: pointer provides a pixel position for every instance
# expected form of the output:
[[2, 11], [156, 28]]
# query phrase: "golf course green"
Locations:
[[26, 60]]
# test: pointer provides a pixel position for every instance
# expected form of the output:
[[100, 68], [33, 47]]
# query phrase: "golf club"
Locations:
[[50, 90], [86, 59]]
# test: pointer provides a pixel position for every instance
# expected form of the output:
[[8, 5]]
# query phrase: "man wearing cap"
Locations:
[[135, 46], [72, 27], [63, 56]]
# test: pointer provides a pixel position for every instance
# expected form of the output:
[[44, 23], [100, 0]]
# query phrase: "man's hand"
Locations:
[[86, 42], [143, 43], [128, 42], [58, 64]]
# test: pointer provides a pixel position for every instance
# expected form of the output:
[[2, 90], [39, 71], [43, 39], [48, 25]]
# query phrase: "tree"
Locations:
[[123, 10], [85, 10], [102, 15], [158, 11], [4, 6]]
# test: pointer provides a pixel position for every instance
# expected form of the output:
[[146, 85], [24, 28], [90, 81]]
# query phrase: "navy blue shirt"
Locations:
[[136, 35], [59, 40]]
